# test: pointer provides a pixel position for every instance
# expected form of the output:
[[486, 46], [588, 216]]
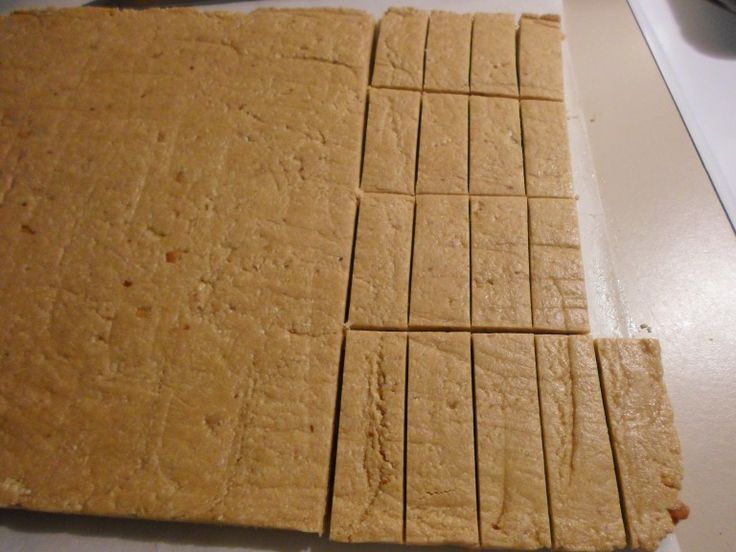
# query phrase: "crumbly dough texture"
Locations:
[[511, 479], [583, 494], [546, 149], [443, 145], [399, 60], [379, 294], [499, 249], [368, 496], [440, 279], [391, 137], [173, 309], [447, 61], [540, 57], [493, 55], [440, 460], [645, 442], [559, 301], [496, 159]]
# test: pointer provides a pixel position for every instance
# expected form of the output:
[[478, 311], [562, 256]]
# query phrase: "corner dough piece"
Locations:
[[500, 263], [443, 145], [511, 479], [559, 301], [440, 280], [391, 137], [400, 50], [540, 57], [379, 295], [546, 149], [496, 160], [447, 65], [645, 442], [583, 494], [493, 55], [440, 456], [368, 496]]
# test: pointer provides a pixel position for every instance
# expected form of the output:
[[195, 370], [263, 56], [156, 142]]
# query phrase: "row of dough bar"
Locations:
[[456, 262], [465, 144], [502, 440], [470, 53]]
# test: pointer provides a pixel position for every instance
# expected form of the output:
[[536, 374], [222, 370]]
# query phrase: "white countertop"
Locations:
[[694, 45]]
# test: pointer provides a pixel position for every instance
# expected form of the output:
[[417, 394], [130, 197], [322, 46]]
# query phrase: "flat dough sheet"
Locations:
[[608, 316], [173, 311]]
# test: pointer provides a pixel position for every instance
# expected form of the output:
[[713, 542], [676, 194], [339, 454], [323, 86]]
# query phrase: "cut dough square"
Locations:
[[496, 160], [493, 55], [447, 63], [402, 35], [391, 137], [443, 145], [368, 495], [559, 300], [583, 494], [645, 442], [440, 455], [379, 294], [511, 479], [440, 279], [540, 57], [546, 149], [499, 248]]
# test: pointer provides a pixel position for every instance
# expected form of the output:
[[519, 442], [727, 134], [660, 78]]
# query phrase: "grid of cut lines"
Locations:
[[397, 186]]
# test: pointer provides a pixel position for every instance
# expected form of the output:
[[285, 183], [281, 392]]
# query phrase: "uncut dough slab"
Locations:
[[540, 57], [645, 441], [583, 494], [391, 138], [368, 496], [443, 145], [511, 479], [177, 227], [499, 249], [379, 294], [400, 49], [440, 278], [447, 61], [546, 149], [496, 160], [493, 55], [440, 456], [559, 301]]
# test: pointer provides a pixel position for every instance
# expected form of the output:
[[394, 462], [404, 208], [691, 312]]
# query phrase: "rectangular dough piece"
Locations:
[[379, 294], [443, 145], [447, 64], [402, 35], [368, 495], [440, 278], [511, 478], [440, 457], [546, 149], [645, 442], [496, 159], [493, 55], [559, 301], [173, 311], [499, 250], [583, 493], [540, 57], [391, 138]]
